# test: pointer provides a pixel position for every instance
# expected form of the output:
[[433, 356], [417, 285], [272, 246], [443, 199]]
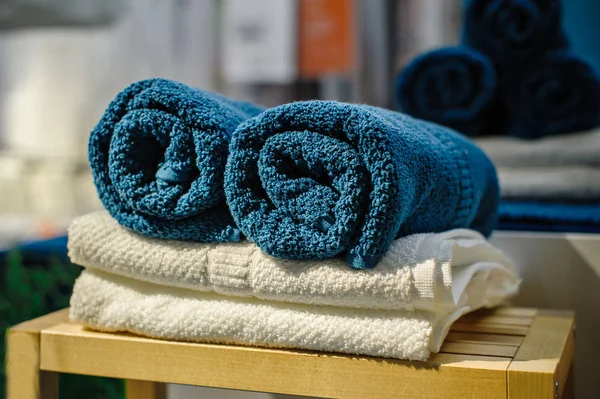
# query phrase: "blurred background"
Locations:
[[62, 62]]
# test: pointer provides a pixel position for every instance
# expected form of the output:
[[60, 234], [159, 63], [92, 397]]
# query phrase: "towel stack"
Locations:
[[513, 74], [551, 184], [228, 223]]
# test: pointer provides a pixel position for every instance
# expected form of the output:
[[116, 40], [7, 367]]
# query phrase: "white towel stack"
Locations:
[[235, 293], [565, 167]]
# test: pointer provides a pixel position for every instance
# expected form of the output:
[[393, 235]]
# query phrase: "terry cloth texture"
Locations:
[[314, 179], [554, 183], [430, 272], [452, 86], [559, 93], [114, 303], [576, 149], [513, 32], [549, 216], [158, 156]]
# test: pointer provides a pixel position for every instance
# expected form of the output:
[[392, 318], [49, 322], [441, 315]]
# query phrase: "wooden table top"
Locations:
[[504, 352]]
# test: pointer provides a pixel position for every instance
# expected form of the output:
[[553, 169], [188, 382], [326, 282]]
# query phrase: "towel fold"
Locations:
[[311, 180], [158, 156], [452, 86], [573, 149], [432, 272], [550, 183], [560, 93], [113, 303], [550, 216], [511, 32]]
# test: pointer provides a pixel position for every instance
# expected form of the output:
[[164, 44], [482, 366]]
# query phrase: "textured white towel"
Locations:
[[109, 302], [575, 149], [431, 272], [557, 182]]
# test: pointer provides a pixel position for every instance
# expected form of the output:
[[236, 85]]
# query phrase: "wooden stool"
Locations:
[[500, 353]]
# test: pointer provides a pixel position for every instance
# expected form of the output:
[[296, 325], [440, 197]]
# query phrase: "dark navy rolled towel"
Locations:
[[559, 94], [158, 157], [315, 179], [452, 86], [513, 31]]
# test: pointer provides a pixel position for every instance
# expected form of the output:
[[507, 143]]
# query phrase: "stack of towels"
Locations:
[[313, 225], [551, 184], [515, 77]]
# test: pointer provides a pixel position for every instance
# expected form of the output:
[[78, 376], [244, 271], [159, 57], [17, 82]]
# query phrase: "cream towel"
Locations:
[[576, 149], [432, 272], [108, 302], [557, 182]]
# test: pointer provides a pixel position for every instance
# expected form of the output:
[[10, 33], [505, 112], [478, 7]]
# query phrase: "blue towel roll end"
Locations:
[[234, 235], [361, 262], [170, 175]]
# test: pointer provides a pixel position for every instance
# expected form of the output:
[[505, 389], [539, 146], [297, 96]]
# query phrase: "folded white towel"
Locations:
[[432, 272], [575, 149], [557, 182], [108, 302]]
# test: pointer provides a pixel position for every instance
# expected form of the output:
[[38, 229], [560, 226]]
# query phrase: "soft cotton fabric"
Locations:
[[452, 86], [311, 180], [559, 93], [567, 183], [158, 156], [113, 303], [572, 149], [513, 32], [424, 272], [550, 216]]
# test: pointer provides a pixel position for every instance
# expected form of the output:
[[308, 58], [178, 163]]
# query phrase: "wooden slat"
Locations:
[[536, 367], [461, 348], [509, 311], [23, 376], [498, 339], [460, 326], [267, 370], [496, 319]]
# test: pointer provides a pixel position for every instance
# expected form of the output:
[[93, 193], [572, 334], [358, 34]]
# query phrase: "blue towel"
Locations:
[[452, 86], [550, 216], [158, 157], [315, 179], [559, 94], [511, 32]]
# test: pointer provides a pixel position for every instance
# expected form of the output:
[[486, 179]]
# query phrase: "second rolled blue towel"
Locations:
[[558, 94], [315, 179], [511, 32], [158, 157], [452, 86]]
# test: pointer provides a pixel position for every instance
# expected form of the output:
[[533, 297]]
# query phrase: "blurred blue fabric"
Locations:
[[452, 86], [559, 93], [550, 216], [513, 32]]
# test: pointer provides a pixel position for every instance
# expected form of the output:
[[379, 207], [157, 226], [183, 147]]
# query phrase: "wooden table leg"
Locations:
[[136, 389], [24, 379]]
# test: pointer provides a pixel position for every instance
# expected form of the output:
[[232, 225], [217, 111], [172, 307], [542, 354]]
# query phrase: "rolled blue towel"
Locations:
[[158, 157], [511, 32], [559, 94], [315, 179], [452, 86]]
